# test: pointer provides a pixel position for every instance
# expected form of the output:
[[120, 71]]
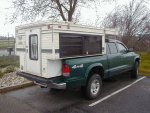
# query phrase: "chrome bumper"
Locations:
[[52, 85]]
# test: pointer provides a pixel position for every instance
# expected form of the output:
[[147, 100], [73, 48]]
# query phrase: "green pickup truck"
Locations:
[[88, 72], [63, 55]]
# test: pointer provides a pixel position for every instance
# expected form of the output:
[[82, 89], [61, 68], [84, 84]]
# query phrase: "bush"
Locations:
[[1, 74], [10, 69]]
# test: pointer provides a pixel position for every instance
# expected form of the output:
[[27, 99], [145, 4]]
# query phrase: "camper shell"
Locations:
[[42, 45]]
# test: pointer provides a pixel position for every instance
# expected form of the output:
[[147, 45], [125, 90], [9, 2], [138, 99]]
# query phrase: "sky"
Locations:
[[4, 27], [88, 15]]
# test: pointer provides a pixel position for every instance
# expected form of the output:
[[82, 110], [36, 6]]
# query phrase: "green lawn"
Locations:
[[5, 44], [9, 61], [145, 63], [8, 64]]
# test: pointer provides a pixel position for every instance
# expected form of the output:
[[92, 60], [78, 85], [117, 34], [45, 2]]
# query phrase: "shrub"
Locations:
[[10, 69], [1, 74]]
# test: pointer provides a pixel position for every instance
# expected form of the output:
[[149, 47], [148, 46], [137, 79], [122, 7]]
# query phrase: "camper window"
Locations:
[[78, 45], [92, 44], [33, 47]]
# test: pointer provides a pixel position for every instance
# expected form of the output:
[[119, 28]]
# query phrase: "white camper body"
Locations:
[[38, 45]]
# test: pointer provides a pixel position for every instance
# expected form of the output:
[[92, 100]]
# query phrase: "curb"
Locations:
[[11, 88]]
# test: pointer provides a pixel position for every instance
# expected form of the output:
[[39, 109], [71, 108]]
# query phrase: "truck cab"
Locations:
[[120, 58]]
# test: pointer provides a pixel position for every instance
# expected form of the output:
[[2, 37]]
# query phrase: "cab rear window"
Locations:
[[112, 48]]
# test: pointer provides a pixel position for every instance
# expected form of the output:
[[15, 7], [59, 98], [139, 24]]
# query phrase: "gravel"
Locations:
[[11, 79]]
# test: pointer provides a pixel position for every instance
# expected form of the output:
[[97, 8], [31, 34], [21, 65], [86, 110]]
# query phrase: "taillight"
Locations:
[[66, 70]]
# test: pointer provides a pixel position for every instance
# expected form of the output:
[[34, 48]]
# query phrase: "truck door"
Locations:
[[114, 59], [33, 51], [126, 57]]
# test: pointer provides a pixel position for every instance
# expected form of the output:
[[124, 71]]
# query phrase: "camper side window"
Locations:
[[70, 45], [33, 47], [92, 44], [78, 45]]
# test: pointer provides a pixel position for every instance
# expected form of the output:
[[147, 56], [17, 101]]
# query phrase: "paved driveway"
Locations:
[[132, 99]]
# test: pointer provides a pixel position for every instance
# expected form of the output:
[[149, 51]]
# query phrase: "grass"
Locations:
[[9, 61], [5, 44], [10, 69], [1, 74], [145, 63]]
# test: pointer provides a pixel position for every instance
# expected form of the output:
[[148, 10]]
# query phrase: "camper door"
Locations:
[[33, 51]]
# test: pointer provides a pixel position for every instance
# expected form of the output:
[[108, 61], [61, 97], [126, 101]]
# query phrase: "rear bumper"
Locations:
[[45, 82]]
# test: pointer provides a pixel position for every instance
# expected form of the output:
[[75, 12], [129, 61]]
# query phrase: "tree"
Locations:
[[131, 20], [33, 9]]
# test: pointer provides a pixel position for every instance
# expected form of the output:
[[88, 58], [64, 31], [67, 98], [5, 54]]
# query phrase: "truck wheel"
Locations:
[[135, 71], [93, 87]]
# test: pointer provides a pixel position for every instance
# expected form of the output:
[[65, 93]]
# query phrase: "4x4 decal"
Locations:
[[77, 66]]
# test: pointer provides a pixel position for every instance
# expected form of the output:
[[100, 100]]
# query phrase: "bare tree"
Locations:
[[131, 20], [32, 9]]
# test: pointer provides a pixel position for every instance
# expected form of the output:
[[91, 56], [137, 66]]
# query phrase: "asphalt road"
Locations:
[[133, 99]]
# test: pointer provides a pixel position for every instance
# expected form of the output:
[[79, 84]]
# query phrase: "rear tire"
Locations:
[[135, 71], [93, 87]]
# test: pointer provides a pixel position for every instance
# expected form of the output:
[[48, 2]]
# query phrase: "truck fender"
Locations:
[[90, 68], [137, 58]]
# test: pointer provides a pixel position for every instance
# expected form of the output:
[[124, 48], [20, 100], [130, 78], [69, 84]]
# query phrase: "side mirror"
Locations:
[[130, 50]]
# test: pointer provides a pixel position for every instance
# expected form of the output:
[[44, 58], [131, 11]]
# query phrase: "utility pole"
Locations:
[[8, 39], [9, 48]]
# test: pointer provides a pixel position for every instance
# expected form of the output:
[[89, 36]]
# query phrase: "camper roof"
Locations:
[[70, 24]]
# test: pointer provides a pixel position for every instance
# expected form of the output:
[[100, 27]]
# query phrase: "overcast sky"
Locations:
[[5, 28], [87, 15]]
